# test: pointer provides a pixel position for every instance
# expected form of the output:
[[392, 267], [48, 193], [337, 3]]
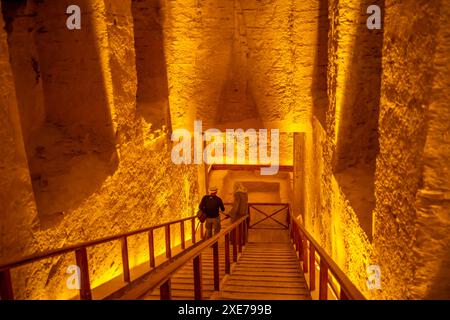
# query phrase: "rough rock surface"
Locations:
[[410, 213], [88, 183]]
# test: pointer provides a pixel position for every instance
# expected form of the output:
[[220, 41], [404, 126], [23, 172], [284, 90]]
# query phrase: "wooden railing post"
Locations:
[[299, 244], [183, 244], [245, 232], [198, 278], [193, 230], [85, 285], [296, 240], [323, 282], [125, 262], [227, 254], [234, 237], [167, 236], [343, 295], [294, 237], [305, 254], [291, 229], [151, 248], [239, 230], [165, 291], [312, 268], [216, 266], [288, 216], [6, 289], [248, 228], [202, 234]]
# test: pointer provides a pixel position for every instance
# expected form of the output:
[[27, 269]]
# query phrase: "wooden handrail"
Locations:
[[162, 275], [71, 248], [300, 237], [80, 252]]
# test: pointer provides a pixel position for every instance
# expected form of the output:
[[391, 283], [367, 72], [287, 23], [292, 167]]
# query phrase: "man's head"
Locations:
[[213, 190]]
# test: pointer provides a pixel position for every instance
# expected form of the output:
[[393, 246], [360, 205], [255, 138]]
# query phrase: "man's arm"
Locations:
[[202, 204], [222, 207]]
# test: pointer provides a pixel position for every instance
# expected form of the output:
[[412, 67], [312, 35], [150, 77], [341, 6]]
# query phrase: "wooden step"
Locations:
[[224, 295], [266, 271], [266, 290], [270, 265], [269, 284], [263, 279]]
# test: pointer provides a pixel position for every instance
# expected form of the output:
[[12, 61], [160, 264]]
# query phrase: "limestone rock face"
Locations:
[[241, 62], [386, 93], [413, 168], [91, 165], [17, 208]]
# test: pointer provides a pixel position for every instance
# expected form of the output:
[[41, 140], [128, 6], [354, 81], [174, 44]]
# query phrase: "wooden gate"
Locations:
[[272, 216]]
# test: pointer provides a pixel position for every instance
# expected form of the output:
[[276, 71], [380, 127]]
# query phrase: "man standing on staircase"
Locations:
[[240, 204], [211, 204]]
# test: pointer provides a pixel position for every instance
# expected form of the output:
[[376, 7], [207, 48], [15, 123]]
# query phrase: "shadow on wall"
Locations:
[[71, 149], [152, 85], [357, 142], [236, 101], [319, 82]]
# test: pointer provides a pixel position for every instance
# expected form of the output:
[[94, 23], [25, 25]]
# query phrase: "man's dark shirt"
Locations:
[[211, 204]]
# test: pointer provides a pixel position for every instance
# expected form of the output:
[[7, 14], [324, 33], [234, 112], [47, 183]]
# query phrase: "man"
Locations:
[[240, 204], [210, 205]]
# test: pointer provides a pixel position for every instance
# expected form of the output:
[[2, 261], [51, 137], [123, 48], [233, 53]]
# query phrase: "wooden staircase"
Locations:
[[265, 271], [182, 282], [276, 257], [268, 260]]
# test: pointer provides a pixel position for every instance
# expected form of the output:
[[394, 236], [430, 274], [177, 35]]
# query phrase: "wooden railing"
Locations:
[[80, 250], [307, 248], [161, 277]]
